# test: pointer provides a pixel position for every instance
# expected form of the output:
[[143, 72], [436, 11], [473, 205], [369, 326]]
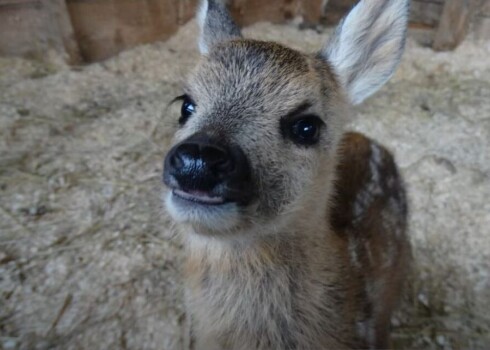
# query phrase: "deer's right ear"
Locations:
[[216, 24]]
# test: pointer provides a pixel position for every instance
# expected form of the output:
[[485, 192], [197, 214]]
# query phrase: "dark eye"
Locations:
[[305, 130], [188, 108]]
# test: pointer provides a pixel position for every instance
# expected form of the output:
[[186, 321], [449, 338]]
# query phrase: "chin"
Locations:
[[206, 215]]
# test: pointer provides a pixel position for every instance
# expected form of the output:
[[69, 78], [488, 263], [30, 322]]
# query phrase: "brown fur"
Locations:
[[340, 303], [326, 277], [318, 259], [376, 234]]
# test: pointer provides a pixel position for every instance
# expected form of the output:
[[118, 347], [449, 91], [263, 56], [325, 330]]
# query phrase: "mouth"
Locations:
[[198, 197], [208, 212]]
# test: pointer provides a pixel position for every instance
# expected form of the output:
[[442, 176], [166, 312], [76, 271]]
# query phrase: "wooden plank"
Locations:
[[98, 29], [453, 25], [485, 8], [57, 12], [247, 12], [33, 27], [423, 13], [426, 12], [105, 27], [481, 20], [335, 10], [17, 3]]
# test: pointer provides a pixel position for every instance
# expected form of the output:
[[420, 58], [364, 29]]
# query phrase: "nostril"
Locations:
[[188, 150], [217, 158], [225, 167], [176, 162], [184, 154], [213, 155]]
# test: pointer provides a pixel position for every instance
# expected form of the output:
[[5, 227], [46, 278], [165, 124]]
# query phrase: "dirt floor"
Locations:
[[88, 257]]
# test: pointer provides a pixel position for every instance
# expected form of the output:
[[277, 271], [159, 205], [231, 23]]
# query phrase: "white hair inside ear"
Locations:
[[215, 23], [201, 17], [367, 46]]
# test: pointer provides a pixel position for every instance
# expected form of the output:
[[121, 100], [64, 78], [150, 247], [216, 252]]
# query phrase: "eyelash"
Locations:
[[185, 115]]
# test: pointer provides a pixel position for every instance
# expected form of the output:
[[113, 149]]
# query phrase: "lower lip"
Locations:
[[198, 198]]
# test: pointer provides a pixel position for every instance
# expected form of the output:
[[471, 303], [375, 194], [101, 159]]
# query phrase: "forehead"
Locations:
[[258, 56], [253, 71]]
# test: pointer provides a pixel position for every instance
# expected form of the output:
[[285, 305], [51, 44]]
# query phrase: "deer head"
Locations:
[[260, 122]]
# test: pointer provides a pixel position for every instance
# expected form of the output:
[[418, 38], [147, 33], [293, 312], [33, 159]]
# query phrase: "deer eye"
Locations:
[[188, 108], [305, 130]]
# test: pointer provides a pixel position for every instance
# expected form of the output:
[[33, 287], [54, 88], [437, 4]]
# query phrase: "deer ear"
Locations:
[[367, 46], [216, 24]]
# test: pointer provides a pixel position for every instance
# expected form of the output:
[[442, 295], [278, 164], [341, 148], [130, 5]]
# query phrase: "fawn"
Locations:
[[294, 230]]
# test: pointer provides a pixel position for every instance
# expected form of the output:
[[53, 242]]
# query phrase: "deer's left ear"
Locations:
[[216, 24], [367, 46]]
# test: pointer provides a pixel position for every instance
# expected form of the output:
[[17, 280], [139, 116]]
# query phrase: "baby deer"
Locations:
[[295, 231]]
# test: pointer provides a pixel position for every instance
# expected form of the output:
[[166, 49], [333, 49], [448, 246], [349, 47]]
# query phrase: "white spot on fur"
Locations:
[[372, 188], [390, 217], [354, 258], [365, 330], [367, 247], [374, 166]]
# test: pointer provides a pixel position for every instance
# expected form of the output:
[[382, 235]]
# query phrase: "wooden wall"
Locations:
[[105, 27], [93, 30], [31, 27]]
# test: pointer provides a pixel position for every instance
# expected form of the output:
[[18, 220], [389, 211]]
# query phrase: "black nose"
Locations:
[[203, 163]]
